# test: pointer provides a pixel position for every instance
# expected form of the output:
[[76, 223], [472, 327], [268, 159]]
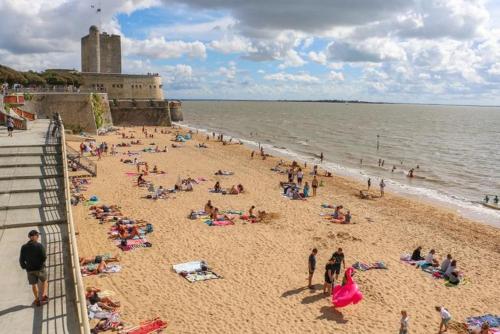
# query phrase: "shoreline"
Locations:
[[473, 210], [264, 266]]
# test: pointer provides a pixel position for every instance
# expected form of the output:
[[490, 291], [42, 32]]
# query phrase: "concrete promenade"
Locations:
[[32, 197]]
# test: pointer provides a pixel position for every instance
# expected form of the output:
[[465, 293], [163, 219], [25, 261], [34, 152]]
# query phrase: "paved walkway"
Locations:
[[32, 197]]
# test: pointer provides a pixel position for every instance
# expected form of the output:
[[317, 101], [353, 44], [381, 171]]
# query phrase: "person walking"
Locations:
[[369, 183], [403, 329], [445, 319], [321, 157], [382, 186], [10, 126], [312, 266], [32, 259]]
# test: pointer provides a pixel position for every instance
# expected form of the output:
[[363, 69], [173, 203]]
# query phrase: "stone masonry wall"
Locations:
[[75, 109], [138, 116]]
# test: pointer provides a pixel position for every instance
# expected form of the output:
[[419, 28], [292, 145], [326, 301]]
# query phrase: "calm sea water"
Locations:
[[456, 147]]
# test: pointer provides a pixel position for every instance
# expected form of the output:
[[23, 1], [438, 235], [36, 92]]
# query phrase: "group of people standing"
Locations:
[[332, 269], [381, 185]]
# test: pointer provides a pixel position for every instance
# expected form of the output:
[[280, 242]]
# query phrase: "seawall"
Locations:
[[76, 109], [138, 113]]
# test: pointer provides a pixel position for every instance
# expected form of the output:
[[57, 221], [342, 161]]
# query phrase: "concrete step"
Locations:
[[30, 161], [37, 199], [9, 151], [30, 185], [32, 217], [31, 172]]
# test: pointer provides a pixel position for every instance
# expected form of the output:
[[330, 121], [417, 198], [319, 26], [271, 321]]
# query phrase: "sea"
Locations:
[[454, 150]]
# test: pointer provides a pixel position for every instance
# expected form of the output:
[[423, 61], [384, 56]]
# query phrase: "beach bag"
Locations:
[[123, 243], [149, 228]]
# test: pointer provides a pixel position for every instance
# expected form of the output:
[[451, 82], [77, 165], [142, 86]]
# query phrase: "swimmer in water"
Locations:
[[486, 199], [495, 200], [393, 168]]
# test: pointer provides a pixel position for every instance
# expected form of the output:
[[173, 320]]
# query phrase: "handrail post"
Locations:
[[75, 261]]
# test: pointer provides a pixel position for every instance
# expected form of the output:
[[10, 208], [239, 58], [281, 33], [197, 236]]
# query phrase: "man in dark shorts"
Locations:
[[329, 276], [32, 259], [339, 261], [312, 266]]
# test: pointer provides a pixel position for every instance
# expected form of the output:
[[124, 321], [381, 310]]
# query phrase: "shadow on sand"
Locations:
[[331, 314]]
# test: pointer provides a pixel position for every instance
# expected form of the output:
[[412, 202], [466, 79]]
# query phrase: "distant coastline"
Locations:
[[340, 102]]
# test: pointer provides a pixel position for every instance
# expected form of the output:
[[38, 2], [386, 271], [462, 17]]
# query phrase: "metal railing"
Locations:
[[84, 163], [81, 302]]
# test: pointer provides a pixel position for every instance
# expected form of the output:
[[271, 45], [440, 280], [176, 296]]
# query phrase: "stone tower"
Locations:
[[101, 53]]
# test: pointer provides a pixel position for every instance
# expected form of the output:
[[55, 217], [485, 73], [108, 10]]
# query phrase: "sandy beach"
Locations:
[[264, 265]]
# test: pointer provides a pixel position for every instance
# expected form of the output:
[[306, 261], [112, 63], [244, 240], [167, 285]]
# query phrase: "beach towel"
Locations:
[[147, 327], [88, 269], [364, 266], [132, 244], [474, 323], [195, 271], [233, 212], [190, 267], [219, 222]]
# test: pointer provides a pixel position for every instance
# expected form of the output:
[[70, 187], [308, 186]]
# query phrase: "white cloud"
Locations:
[[494, 69], [336, 76], [300, 77], [233, 44], [159, 48], [318, 57], [292, 59], [228, 72]]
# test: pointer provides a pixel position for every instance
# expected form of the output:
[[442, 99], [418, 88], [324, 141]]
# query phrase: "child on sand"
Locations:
[[315, 185], [445, 319], [404, 323], [312, 266]]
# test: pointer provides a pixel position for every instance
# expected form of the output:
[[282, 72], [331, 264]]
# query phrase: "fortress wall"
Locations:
[[138, 116], [175, 111], [75, 109], [125, 86]]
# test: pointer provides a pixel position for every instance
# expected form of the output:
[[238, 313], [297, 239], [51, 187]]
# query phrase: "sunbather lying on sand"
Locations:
[[105, 303], [99, 260], [365, 195], [224, 172], [157, 171], [128, 231], [216, 216]]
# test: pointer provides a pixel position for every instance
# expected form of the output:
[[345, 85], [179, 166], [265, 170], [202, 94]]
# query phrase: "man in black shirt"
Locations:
[[32, 259], [339, 260], [312, 266]]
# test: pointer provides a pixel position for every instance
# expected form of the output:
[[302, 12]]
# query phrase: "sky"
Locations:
[[419, 51]]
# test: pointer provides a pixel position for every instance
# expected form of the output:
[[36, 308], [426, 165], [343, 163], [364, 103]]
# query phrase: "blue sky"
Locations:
[[378, 50]]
